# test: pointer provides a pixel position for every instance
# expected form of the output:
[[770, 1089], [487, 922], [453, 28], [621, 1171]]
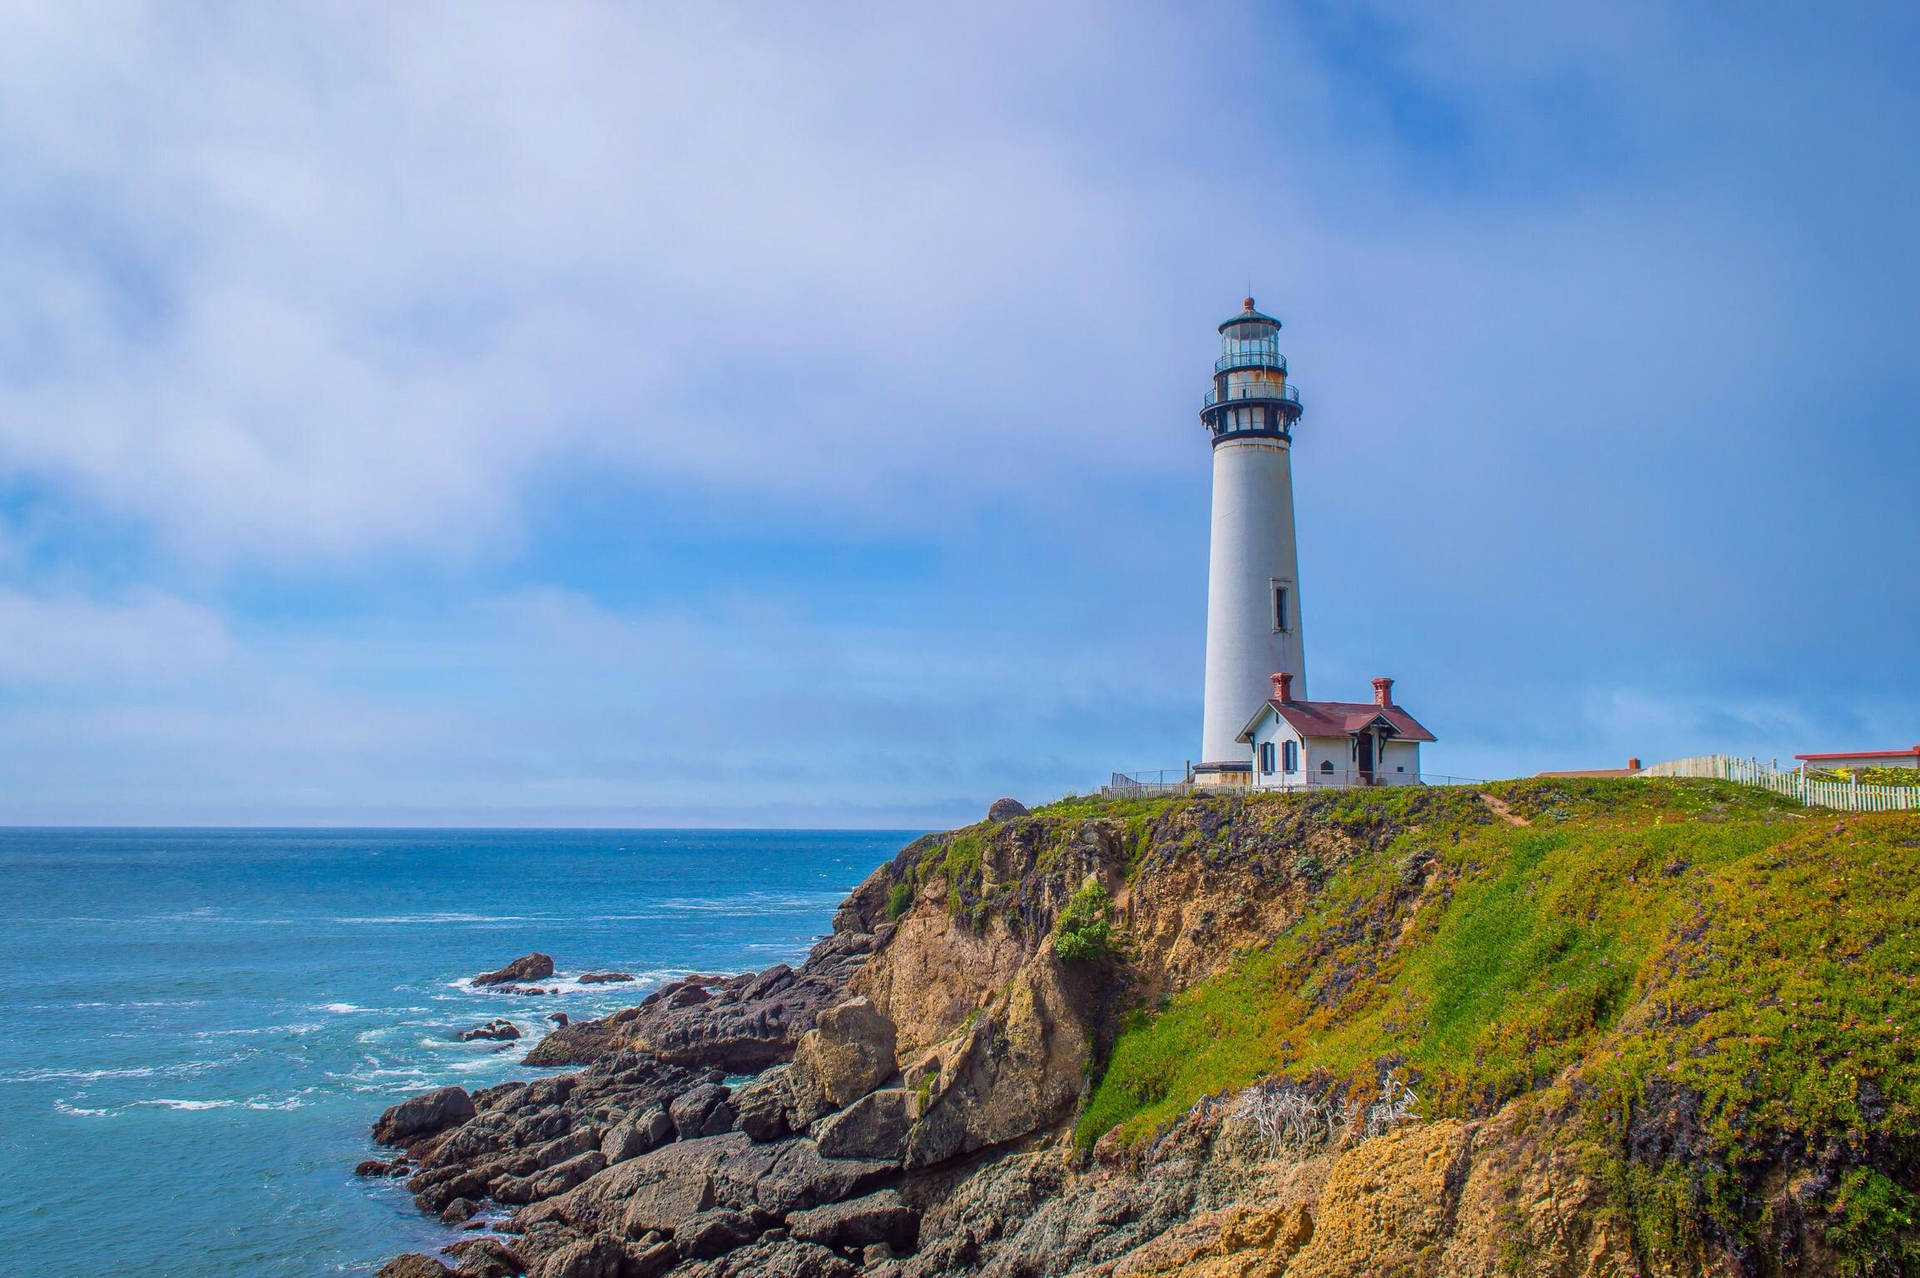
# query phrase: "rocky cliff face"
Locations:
[[915, 1086]]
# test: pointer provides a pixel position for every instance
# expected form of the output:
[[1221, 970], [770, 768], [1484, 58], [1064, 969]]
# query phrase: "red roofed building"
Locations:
[[1863, 759], [1296, 744]]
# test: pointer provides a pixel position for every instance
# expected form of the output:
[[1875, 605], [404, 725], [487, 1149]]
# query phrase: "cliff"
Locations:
[[1552, 1027]]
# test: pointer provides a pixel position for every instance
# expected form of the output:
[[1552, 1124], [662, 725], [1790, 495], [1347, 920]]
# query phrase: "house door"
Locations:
[[1366, 758]]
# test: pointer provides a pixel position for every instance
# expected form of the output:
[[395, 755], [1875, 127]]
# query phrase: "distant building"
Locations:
[[1254, 626], [1295, 744], [1863, 759]]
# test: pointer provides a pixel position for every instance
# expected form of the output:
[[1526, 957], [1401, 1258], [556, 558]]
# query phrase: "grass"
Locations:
[[1686, 953]]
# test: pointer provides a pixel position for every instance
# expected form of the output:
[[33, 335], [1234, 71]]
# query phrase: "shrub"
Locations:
[[900, 899], [1086, 931]]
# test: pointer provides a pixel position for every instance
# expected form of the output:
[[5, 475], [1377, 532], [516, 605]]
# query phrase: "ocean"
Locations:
[[205, 1022]]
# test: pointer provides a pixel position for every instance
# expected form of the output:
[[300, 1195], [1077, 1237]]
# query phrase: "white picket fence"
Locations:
[[1843, 795]]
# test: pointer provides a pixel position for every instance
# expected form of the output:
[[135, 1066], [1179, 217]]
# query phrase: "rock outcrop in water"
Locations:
[[915, 1083], [528, 967]]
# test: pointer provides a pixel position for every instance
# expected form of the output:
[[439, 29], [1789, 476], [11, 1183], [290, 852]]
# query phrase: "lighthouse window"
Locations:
[[1279, 607], [1266, 756], [1326, 765], [1290, 756]]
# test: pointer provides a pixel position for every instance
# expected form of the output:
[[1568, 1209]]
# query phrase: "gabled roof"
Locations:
[[1864, 754], [1338, 719]]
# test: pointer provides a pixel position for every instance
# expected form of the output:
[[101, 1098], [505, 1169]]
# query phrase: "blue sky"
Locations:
[[723, 415]]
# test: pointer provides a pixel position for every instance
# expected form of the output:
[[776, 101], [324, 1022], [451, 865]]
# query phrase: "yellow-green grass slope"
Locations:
[[1719, 985]]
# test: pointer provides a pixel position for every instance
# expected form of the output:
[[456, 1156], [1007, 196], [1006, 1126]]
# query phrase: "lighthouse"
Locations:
[[1253, 567]]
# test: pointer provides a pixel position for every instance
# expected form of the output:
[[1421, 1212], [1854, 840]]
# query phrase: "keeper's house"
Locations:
[[1297, 744], [1863, 759]]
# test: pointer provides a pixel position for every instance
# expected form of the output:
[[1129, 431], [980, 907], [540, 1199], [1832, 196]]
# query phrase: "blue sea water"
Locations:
[[205, 1022]]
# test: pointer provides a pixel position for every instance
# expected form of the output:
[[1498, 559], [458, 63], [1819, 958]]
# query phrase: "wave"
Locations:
[[184, 1069]]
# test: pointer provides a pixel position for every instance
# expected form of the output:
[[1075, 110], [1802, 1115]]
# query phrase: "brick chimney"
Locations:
[[1282, 686], [1383, 691], [1633, 765]]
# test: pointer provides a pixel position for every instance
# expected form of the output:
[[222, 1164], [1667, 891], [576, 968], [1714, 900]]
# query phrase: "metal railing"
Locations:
[[1171, 782], [1148, 785], [1842, 796], [1253, 394], [1257, 357]]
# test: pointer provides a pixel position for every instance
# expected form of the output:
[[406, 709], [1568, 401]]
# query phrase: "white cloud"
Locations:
[[73, 641]]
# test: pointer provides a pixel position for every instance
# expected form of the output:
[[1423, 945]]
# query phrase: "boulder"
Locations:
[[421, 1116], [485, 1258], [847, 1054], [372, 1167], [596, 1257], [636, 1136], [460, 1209], [663, 1204], [875, 1126], [859, 1223], [798, 1178], [702, 1111], [762, 1108], [773, 1258], [715, 1232], [558, 1018], [495, 1031], [604, 978], [1006, 810], [413, 1265], [528, 967]]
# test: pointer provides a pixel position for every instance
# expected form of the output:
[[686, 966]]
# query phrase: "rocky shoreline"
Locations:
[[902, 1104]]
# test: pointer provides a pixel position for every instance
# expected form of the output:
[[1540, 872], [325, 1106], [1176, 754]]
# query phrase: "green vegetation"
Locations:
[[1710, 977], [900, 899], [1085, 933], [1869, 776]]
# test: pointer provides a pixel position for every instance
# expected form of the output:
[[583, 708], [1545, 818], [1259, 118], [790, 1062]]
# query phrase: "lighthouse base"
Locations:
[[1223, 776]]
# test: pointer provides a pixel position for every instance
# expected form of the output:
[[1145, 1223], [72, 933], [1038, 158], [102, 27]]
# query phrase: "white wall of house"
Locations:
[[1399, 760]]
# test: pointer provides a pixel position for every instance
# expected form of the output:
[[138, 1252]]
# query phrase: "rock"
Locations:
[[762, 1108], [782, 1258], [742, 1024], [564, 1176], [558, 1018], [372, 1167], [458, 1210], [875, 1126], [702, 1111], [485, 1258], [413, 1265], [1006, 810], [596, 1257], [637, 1136], [663, 1204], [799, 1178], [604, 978], [1389, 1202], [523, 991], [861, 1222], [712, 1233], [497, 1031], [421, 1116], [528, 967], [649, 1259], [847, 1054]]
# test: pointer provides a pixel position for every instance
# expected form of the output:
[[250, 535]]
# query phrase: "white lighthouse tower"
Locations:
[[1253, 568]]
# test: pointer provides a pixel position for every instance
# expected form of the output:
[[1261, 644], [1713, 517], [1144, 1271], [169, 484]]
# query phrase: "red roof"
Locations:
[[1865, 754], [1343, 718]]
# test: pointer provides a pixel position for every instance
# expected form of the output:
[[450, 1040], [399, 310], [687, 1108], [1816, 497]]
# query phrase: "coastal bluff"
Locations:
[[1560, 1027]]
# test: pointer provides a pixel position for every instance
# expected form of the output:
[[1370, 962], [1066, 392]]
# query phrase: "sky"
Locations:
[[608, 414]]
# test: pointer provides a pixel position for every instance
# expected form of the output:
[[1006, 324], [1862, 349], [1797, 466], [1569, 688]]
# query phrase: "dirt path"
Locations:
[[1500, 809]]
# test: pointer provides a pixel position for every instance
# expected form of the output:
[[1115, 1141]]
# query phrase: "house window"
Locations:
[[1326, 765], [1266, 756], [1290, 756], [1279, 607]]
